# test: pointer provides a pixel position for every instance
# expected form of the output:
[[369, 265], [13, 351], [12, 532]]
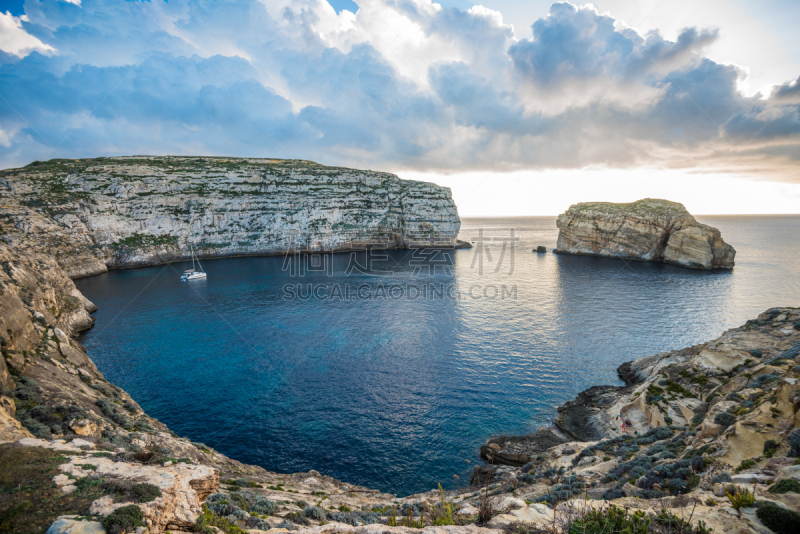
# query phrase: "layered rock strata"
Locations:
[[95, 214], [647, 230]]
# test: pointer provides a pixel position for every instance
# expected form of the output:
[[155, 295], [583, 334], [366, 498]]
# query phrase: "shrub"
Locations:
[[298, 519], [698, 463], [674, 523], [746, 464], [207, 520], [770, 446], [763, 379], [355, 519], [124, 519], [111, 411], [777, 519], [264, 506], [785, 486], [721, 478], [142, 492], [314, 512], [613, 493], [724, 419], [238, 515], [741, 499], [222, 507], [613, 519], [794, 443]]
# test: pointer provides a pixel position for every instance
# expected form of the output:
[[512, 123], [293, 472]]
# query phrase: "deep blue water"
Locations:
[[395, 390]]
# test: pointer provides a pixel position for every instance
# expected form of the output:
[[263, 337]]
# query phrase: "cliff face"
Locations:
[[648, 230], [121, 212]]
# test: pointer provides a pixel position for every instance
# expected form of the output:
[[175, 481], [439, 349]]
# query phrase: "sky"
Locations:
[[520, 107]]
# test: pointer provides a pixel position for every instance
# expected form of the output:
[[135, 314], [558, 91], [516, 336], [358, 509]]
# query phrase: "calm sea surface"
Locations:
[[390, 370]]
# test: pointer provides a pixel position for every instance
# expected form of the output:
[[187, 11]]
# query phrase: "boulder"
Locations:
[[85, 427], [68, 524]]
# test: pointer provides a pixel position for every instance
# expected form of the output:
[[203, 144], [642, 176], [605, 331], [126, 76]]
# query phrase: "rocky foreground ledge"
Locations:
[[646, 230]]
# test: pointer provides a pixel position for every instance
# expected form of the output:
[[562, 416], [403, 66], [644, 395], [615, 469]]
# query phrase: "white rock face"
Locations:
[[69, 524], [648, 230], [137, 211]]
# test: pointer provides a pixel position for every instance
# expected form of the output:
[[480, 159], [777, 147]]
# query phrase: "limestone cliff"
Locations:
[[95, 214], [648, 230]]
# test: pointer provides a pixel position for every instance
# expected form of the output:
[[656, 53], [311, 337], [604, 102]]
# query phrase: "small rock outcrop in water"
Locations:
[[96, 214], [648, 230]]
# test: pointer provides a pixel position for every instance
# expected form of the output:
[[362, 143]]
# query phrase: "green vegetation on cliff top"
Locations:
[[647, 207]]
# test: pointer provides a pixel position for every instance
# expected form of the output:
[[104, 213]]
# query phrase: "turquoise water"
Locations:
[[393, 377]]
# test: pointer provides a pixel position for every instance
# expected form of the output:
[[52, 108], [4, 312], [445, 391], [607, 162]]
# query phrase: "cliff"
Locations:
[[95, 214], [647, 230]]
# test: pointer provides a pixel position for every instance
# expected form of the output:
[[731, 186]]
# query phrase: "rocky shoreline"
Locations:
[[714, 418]]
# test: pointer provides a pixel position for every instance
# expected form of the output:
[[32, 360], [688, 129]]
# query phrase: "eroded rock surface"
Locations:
[[647, 230]]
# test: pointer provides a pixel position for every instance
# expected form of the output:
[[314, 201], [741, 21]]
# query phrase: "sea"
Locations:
[[390, 369]]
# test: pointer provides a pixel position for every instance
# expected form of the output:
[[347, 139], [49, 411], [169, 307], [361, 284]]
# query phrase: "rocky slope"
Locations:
[[93, 214], [707, 420], [647, 230]]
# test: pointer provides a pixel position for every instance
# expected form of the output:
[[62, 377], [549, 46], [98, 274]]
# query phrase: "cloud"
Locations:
[[15, 40], [577, 56], [396, 84], [788, 92]]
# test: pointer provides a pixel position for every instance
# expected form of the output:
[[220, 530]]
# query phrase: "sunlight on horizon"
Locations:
[[551, 192]]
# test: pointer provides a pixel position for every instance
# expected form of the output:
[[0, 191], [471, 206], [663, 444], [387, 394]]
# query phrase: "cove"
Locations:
[[372, 381]]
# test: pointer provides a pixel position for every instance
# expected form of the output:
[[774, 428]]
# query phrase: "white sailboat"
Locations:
[[192, 274]]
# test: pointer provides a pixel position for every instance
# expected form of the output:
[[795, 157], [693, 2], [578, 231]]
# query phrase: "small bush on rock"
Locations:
[[741, 498], [314, 512], [785, 486], [264, 506], [222, 507], [613, 493], [613, 519], [124, 519], [777, 519], [770, 446], [724, 419], [238, 515], [721, 478], [355, 519], [763, 379], [794, 443]]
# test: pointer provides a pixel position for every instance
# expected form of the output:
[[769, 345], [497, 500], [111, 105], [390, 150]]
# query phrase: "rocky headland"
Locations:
[[79, 455], [645, 230], [96, 214]]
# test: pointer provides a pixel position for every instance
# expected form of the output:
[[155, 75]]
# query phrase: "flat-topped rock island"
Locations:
[[645, 230]]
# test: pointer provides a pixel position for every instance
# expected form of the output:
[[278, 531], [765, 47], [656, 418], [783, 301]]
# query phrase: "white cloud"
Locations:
[[15, 40]]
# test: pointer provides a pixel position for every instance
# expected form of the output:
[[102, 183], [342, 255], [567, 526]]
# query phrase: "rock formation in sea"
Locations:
[[81, 456], [647, 230], [95, 214]]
